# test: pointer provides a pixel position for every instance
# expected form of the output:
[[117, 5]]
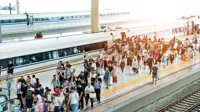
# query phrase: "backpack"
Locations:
[[29, 95]]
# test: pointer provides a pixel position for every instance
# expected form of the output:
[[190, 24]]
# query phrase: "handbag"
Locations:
[[93, 95]]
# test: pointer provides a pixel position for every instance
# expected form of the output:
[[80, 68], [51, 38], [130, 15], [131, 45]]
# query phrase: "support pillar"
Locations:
[[0, 35], [18, 6], [95, 26]]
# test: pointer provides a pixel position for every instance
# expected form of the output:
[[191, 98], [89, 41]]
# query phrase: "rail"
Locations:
[[177, 101]]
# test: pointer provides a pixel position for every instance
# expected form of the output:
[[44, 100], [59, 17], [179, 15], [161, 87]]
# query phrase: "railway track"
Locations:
[[188, 103]]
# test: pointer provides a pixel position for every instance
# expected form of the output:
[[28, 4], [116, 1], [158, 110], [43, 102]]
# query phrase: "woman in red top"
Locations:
[[57, 91]]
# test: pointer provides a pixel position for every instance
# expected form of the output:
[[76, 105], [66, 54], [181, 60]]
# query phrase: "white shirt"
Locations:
[[39, 98], [74, 97], [56, 101], [33, 81], [89, 89], [18, 86], [101, 55]]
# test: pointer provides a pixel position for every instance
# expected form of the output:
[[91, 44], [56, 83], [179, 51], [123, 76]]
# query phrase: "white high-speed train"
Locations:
[[28, 55], [56, 17]]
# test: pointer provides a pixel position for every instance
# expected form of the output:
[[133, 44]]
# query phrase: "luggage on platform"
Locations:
[[114, 79]]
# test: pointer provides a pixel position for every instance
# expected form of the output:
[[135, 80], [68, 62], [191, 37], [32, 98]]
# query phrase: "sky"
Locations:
[[140, 8]]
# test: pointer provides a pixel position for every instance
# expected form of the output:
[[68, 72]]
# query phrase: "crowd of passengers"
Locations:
[[72, 91]]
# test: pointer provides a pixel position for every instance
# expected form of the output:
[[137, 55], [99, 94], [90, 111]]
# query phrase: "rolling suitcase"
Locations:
[[114, 79]]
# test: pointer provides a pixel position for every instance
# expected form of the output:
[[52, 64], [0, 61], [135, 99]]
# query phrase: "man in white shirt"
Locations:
[[33, 81], [74, 100], [57, 103]]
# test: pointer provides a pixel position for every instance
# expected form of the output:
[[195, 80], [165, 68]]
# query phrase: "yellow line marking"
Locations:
[[104, 93]]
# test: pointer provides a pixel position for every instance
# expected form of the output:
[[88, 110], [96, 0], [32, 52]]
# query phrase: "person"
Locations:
[[81, 76], [19, 92], [10, 68], [80, 91], [49, 100], [135, 66], [33, 81], [154, 73], [24, 90], [88, 90], [67, 72], [68, 64], [145, 59], [97, 87], [9, 81], [61, 79], [56, 103], [37, 83], [122, 65], [0, 69], [28, 80], [29, 99], [65, 107], [150, 63], [55, 82], [86, 75], [74, 99], [107, 77], [22, 80], [57, 91]]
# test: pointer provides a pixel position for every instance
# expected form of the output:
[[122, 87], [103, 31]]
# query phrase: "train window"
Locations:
[[12, 21], [36, 58], [62, 18], [55, 54], [69, 51], [6, 21], [61, 53], [75, 50], [72, 17], [46, 56], [20, 61], [36, 19]]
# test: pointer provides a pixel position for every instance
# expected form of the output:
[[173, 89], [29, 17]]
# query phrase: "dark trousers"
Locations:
[[81, 103], [56, 109], [61, 83], [87, 98], [150, 68], [19, 96], [122, 69], [98, 94]]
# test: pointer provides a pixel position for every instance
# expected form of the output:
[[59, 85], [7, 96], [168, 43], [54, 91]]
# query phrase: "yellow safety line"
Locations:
[[104, 93]]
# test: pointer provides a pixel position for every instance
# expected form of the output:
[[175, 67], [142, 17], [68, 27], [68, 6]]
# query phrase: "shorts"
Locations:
[[29, 103], [154, 75]]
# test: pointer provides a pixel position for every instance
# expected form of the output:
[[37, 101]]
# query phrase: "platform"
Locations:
[[137, 26], [126, 81], [23, 28]]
